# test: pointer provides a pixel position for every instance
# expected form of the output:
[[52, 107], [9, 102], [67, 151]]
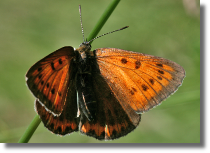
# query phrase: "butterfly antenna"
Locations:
[[81, 22], [108, 33]]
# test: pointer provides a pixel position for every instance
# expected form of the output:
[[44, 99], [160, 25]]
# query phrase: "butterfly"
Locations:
[[101, 93]]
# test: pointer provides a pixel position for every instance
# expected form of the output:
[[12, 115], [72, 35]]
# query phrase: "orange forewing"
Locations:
[[139, 80], [48, 79]]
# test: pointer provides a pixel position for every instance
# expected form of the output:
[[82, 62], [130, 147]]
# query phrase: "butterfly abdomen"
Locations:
[[86, 97]]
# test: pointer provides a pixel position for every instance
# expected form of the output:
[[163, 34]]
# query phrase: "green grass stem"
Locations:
[[30, 130], [103, 20]]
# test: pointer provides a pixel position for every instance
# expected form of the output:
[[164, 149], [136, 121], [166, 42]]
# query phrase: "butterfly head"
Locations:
[[84, 47]]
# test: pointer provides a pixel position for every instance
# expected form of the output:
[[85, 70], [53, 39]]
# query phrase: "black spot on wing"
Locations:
[[53, 91], [42, 82], [40, 76], [160, 78], [151, 81], [144, 87], [133, 90], [40, 68], [160, 65], [160, 71], [60, 61], [52, 66], [124, 60], [137, 64]]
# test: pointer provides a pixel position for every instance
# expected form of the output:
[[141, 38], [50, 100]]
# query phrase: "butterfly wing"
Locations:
[[48, 79], [139, 80], [67, 122], [112, 119]]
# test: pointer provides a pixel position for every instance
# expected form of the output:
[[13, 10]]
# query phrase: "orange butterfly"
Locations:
[[100, 93]]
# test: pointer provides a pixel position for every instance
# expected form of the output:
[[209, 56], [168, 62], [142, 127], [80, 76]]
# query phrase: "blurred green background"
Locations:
[[30, 30]]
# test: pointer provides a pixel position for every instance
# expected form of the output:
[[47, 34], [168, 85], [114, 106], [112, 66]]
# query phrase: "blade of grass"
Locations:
[[30, 130], [36, 121], [103, 20]]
